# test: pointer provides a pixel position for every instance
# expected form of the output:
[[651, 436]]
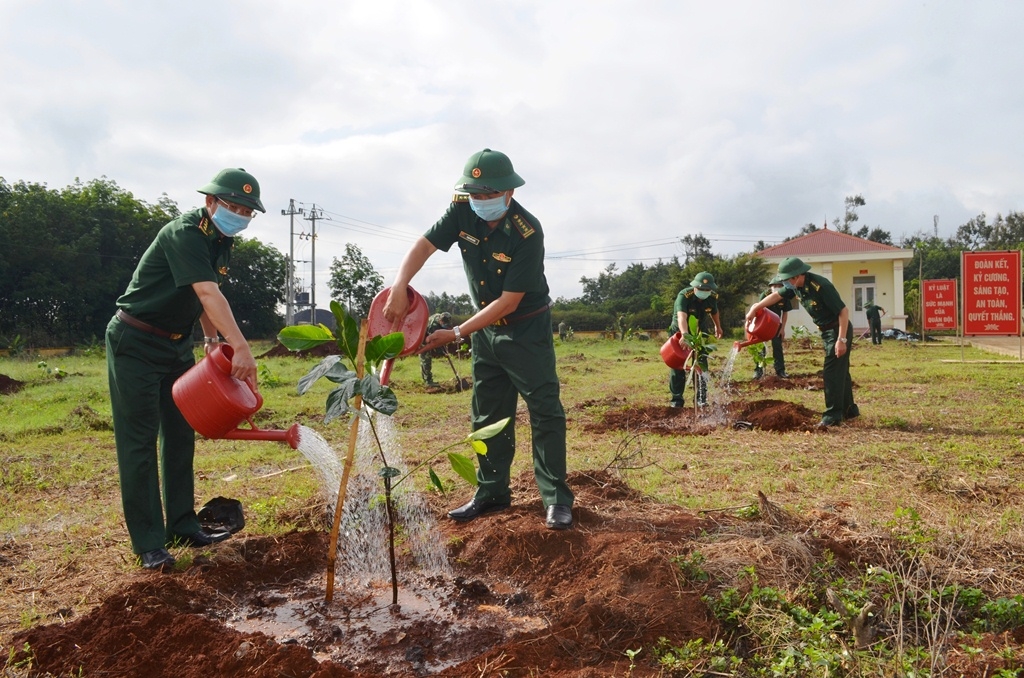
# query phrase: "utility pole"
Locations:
[[290, 285], [314, 214]]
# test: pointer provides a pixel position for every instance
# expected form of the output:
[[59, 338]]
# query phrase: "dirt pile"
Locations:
[[767, 415], [521, 596], [9, 385]]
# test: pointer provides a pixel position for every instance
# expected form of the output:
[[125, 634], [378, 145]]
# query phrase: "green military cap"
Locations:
[[488, 172], [446, 318], [790, 268], [237, 186], [704, 281]]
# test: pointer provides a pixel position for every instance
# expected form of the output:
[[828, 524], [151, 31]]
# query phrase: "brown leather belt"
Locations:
[[146, 327], [521, 318]]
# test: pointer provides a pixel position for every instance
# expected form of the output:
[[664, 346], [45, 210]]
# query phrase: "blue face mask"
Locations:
[[229, 223], [702, 294], [789, 286], [490, 209]]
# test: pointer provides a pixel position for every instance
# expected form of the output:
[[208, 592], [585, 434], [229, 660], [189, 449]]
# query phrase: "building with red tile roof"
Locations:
[[862, 270]]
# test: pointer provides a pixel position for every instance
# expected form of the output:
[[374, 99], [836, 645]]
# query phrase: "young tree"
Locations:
[[354, 281]]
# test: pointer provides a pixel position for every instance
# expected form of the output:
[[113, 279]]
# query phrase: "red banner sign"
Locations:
[[939, 298], [991, 292]]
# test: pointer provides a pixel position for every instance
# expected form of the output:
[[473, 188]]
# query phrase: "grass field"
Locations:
[[937, 454]]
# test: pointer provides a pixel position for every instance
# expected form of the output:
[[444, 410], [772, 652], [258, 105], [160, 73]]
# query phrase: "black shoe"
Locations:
[[852, 413], [559, 517], [782, 375], [476, 508], [677, 403], [201, 537], [827, 423], [157, 559], [758, 374]]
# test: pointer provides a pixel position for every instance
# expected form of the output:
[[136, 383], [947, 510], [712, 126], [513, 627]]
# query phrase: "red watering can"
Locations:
[[413, 325], [762, 328], [214, 403], [675, 353]]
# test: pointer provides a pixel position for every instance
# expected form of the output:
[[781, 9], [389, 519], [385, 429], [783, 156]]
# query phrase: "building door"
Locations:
[[863, 294]]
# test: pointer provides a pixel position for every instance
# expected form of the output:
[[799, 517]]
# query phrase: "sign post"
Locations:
[[992, 293]]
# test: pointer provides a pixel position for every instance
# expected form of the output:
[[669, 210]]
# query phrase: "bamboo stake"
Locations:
[[332, 553]]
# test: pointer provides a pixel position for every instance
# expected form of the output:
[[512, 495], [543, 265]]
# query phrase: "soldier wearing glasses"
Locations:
[[149, 345]]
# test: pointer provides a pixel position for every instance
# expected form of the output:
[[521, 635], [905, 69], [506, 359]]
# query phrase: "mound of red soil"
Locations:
[[768, 415], [8, 385], [523, 598], [321, 351], [779, 415]]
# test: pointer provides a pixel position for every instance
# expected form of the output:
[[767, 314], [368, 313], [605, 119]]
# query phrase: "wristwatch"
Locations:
[[842, 339], [458, 333]]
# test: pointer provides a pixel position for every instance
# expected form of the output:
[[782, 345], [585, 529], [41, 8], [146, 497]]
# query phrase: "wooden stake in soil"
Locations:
[[332, 553]]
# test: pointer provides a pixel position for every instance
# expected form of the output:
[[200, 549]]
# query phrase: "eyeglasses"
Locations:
[[240, 210]]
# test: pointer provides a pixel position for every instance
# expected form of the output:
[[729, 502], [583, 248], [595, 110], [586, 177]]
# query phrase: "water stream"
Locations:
[[363, 537]]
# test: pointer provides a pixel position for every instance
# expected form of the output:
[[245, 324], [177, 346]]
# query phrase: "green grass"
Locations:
[[940, 438]]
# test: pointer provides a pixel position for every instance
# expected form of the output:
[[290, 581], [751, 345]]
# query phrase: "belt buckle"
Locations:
[[500, 322], [176, 337]]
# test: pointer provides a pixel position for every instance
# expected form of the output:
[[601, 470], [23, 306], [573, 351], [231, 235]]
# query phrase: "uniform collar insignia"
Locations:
[[522, 225]]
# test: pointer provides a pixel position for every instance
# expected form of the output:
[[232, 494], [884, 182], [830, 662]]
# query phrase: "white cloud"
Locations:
[[631, 122]]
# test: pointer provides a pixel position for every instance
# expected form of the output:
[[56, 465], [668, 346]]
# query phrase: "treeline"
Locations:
[[66, 255]]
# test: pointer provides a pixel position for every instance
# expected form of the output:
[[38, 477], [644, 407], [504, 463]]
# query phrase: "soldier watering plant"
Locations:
[[822, 301], [149, 345], [502, 248]]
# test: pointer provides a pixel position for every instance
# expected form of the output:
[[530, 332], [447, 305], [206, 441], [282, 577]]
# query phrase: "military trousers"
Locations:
[[677, 382], [778, 358], [155, 445], [508, 362], [839, 403]]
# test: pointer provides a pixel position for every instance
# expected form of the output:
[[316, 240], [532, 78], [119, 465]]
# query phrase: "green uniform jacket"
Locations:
[[511, 257], [185, 251], [688, 303], [819, 297]]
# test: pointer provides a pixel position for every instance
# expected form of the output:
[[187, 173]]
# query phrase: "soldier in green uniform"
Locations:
[[438, 321], [823, 303], [782, 310], [700, 299], [149, 345], [874, 313], [502, 249]]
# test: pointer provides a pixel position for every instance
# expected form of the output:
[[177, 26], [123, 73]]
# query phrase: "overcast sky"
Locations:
[[633, 123]]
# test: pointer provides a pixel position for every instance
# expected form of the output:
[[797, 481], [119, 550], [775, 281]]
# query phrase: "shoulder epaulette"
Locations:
[[460, 197], [204, 226], [522, 225]]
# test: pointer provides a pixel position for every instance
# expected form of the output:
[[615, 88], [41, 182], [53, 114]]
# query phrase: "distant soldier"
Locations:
[[699, 299], [561, 330], [438, 321], [622, 327], [780, 309], [875, 313]]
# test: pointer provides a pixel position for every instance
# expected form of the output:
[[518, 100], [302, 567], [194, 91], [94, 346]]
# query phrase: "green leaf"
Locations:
[[314, 374], [488, 431], [389, 472], [384, 347], [435, 481], [337, 401], [380, 398], [464, 467], [479, 446], [304, 337], [348, 332]]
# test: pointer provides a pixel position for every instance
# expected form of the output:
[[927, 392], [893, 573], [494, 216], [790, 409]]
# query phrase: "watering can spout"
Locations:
[[291, 436]]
